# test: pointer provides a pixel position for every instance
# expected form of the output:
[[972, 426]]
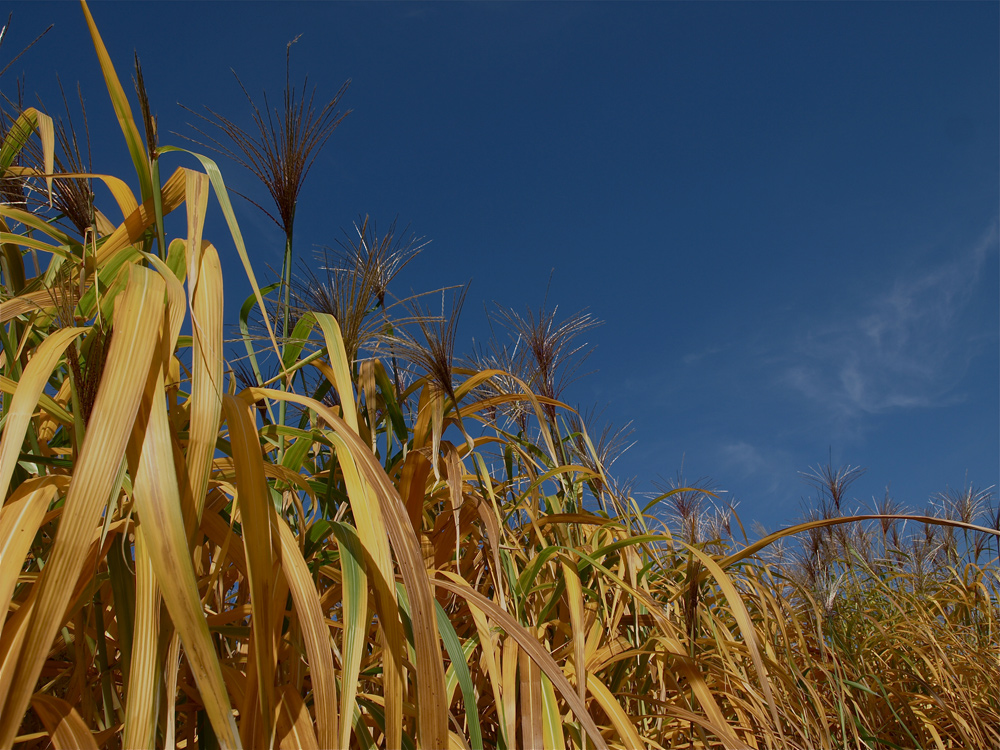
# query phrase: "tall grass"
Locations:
[[396, 548]]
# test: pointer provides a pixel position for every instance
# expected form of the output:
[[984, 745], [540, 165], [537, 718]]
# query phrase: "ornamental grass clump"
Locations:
[[424, 551]]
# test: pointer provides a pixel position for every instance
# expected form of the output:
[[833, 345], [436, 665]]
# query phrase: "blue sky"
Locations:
[[785, 214]]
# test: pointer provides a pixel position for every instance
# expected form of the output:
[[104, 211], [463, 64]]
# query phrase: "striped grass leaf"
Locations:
[[509, 658], [460, 668], [341, 367], [29, 389], [17, 135], [531, 646], [207, 371], [552, 724], [493, 654], [529, 690], [132, 229], [196, 186], [132, 349], [432, 722], [64, 725], [316, 636], [372, 537], [574, 600], [355, 607], [749, 631], [294, 725], [142, 703], [118, 188], [752, 549], [11, 260], [63, 241], [222, 194], [140, 159], [171, 669], [158, 504], [255, 509], [20, 518]]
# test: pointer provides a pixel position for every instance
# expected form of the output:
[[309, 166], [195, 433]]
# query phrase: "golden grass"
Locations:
[[191, 560]]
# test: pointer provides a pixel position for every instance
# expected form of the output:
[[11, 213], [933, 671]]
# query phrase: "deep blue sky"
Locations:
[[786, 214]]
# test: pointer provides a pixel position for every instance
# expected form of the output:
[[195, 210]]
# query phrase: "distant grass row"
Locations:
[[348, 536]]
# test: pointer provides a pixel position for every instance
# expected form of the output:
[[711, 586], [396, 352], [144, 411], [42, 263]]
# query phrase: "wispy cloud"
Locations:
[[693, 358], [908, 348], [770, 468]]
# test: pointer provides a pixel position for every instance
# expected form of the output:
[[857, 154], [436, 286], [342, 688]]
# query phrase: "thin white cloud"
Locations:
[[769, 467], [694, 358], [908, 348]]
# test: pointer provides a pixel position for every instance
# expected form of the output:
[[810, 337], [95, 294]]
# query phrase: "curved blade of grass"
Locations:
[[493, 655], [142, 706], [552, 729], [341, 367], [391, 403], [176, 307], [29, 389], [371, 519], [747, 627], [299, 338], [172, 666], [20, 518], [137, 323], [574, 599], [63, 723], [196, 203], [100, 295], [120, 191], [355, 604], [295, 729], [316, 636], [752, 549], [372, 535], [39, 224], [254, 500], [457, 655], [432, 718], [508, 663], [17, 135], [130, 231], [530, 691], [207, 360], [140, 159], [176, 259], [222, 194], [11, 262], [366, 384], [16, 240], [158, 503], [245, 309], [534, 650], [620, 720]]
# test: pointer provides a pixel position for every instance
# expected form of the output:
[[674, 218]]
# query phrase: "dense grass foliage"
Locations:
[[338, 533]]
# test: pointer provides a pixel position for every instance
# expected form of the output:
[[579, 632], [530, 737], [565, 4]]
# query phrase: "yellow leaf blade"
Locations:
[[142, 707], [316, 636], [30, 387], [254, 501], [432, 718], [538, 655], [63, 723], [137, 321], [19, 521]]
